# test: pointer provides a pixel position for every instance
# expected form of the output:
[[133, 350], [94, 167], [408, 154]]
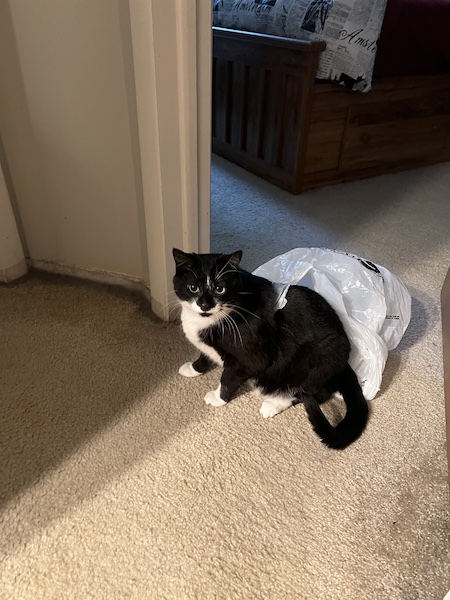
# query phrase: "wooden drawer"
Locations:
[[392, 143]]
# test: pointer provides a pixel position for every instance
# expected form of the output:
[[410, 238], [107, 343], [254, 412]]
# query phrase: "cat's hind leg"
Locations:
[[275, 403], [200, 366]]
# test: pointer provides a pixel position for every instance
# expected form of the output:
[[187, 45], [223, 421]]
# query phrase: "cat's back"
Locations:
[[307, 308], [302, 304]]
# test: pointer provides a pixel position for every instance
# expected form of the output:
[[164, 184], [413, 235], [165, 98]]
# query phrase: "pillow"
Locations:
[[349, 27]]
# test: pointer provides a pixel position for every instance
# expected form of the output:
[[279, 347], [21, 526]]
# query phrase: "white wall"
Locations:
[[105, 111], [68, 142]]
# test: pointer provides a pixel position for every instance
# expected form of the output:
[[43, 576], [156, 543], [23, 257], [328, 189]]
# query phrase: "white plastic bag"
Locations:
[[373, 305]]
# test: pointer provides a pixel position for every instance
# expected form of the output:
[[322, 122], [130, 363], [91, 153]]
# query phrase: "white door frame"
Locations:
[[12, 258], [171, 42]]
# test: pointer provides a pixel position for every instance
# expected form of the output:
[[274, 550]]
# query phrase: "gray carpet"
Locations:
[[116, 481]]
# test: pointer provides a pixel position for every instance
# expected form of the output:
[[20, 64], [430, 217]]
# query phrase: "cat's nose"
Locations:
[[205, 304]]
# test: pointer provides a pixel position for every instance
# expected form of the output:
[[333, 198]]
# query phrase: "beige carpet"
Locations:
[[116, 481]]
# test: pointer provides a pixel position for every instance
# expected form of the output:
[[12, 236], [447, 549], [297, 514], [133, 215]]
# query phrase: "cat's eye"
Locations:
[[220, 290], [193, 288]]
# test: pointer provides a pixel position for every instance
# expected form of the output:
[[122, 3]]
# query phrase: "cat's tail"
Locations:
[[355, 419]]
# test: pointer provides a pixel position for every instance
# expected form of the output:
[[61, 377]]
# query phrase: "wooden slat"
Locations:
[[291, 127], [272, 134], [255, 111], [220, 98], [239, 106]]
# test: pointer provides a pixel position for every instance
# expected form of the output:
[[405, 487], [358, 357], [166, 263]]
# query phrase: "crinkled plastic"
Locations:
[[372, 303]]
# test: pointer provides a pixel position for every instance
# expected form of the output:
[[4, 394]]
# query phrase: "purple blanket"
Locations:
[[414, 38]]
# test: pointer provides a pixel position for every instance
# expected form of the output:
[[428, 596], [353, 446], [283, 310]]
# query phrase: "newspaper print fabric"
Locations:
[[350, 29]]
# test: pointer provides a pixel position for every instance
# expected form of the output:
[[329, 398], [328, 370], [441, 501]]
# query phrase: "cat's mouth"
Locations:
[[205, 314]]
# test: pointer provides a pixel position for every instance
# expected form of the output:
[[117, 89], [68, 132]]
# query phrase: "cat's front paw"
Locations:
[[187, 370], [213, 398]]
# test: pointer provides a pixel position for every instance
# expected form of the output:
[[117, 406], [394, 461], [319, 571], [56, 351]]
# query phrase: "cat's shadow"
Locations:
[[421, 320]]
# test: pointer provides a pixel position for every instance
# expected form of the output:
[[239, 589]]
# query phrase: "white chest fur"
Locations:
[[193, 324]]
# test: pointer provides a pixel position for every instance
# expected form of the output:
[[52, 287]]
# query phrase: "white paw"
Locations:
[[187, 370], [274, 405], [268, 410], [213, 398]]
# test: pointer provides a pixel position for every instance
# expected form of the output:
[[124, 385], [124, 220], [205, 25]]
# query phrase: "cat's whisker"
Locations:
[[235, 328], [176, 305], [230, 327], [248, 311], [227, 322], [194, 274], [238, 331], [225, 326], [222, 273], [219, 322], [235, 310], [219, 274]]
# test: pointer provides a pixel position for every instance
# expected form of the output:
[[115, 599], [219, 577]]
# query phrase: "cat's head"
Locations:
[[207, 283]]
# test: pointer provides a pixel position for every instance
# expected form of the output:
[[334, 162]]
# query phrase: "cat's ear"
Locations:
[[182, 259], [233, 259]]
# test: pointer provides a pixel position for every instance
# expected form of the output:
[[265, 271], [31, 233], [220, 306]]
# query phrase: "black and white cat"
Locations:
[[298, 353]]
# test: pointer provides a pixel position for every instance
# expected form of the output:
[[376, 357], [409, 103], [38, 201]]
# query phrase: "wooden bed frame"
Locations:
[[271, 116]]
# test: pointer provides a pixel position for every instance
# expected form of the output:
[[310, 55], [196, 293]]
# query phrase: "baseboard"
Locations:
[[14, 272], [128, 282]]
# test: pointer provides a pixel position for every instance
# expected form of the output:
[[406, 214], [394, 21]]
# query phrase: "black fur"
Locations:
[[300, 349]]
